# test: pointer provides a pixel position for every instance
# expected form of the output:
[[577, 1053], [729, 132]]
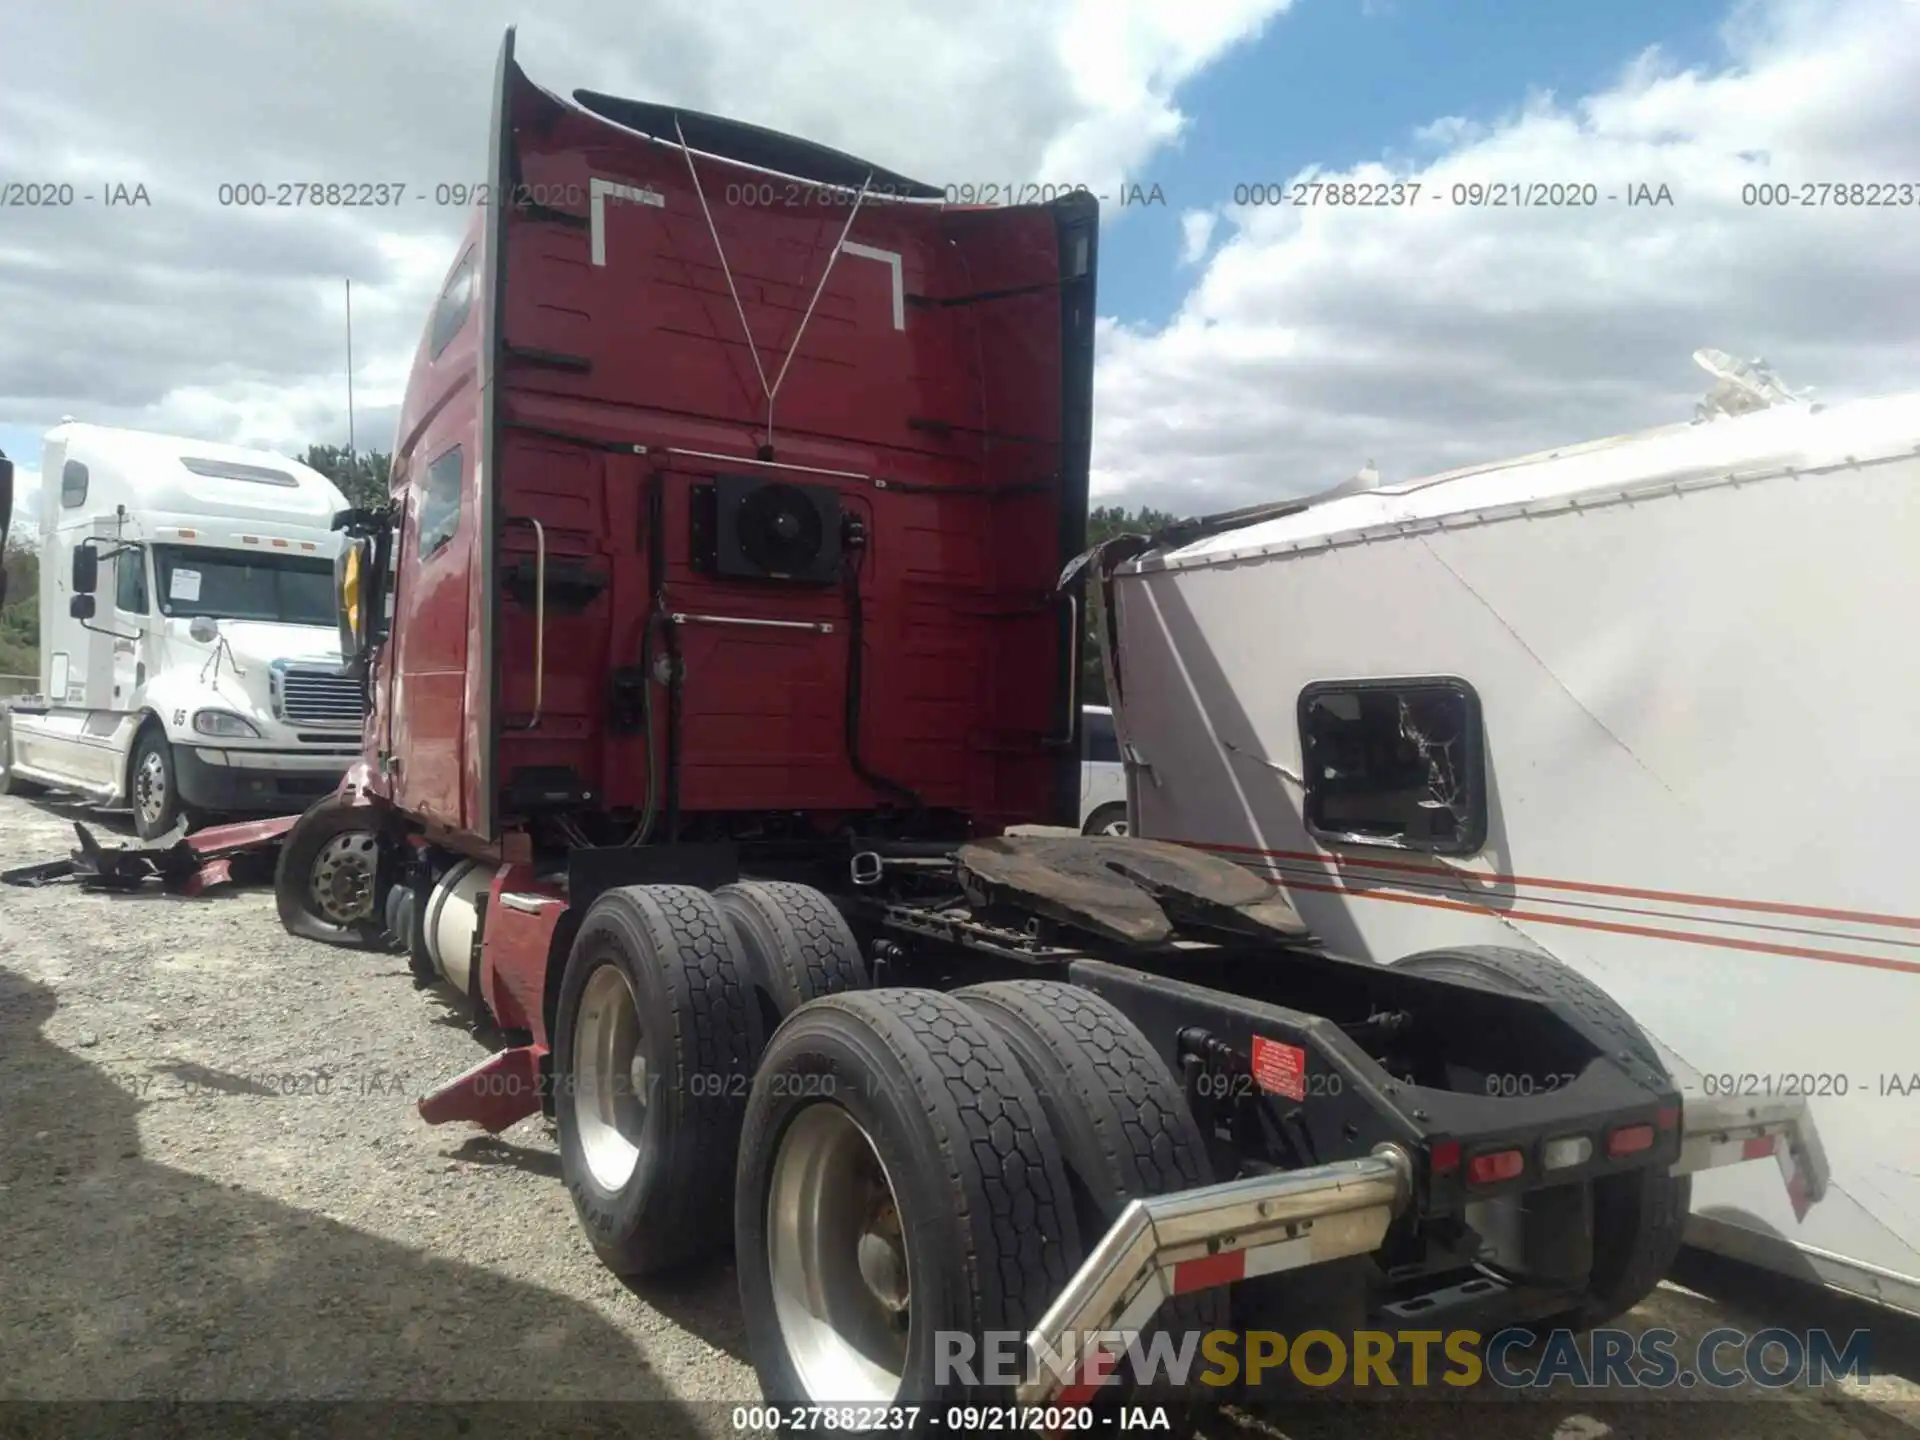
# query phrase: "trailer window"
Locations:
[[450, 315], [228, 585], [1399, 763], [130, 581], [73, 485], [440, 503]]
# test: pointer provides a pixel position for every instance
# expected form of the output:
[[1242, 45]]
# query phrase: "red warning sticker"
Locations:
[[1280, 1069]]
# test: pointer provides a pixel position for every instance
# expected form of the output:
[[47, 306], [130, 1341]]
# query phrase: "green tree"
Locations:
[[20, 618], [362, 477], [1103, 523]]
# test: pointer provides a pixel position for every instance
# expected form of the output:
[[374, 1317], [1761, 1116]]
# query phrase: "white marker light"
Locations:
[[1567, 1151]]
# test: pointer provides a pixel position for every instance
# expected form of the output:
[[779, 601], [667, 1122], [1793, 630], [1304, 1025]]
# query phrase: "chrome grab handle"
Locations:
[[539, 616], [1073, 674], [682, 617]]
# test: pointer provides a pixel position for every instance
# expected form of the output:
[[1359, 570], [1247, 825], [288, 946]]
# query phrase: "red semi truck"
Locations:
[[716, 632]]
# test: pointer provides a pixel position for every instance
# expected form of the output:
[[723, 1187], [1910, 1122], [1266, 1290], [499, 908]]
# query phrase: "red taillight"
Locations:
[[1495, 1166], [1446, 1157], [1630, 1140]]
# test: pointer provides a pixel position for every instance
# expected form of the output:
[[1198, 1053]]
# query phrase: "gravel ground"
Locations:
[[182, 1218]]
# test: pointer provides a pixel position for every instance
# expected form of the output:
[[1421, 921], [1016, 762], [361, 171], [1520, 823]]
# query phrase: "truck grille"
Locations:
[[319, 695]]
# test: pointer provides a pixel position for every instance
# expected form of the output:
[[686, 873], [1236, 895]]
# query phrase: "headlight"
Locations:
[[224, 722]]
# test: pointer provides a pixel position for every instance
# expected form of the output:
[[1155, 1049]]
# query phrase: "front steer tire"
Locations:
[[974, 1168], [300, 849], [153, 787], [698, 1035], [1639, 1218]]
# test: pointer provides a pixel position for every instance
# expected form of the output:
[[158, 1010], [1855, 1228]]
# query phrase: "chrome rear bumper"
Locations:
[[1189, 1240]]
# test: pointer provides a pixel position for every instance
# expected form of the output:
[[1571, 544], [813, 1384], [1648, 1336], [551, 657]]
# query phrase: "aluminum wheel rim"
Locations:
[[340, 884], [150, 787], [838, 1258], [610, 1079], [1114, 827]]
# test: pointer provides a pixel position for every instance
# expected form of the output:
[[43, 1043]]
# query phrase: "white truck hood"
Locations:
[[265, 641]]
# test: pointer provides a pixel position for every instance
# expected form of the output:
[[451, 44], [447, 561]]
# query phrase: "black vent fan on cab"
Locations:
[[776, 530]]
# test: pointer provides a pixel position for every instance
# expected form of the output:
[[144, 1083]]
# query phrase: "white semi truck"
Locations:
[[189, 651]]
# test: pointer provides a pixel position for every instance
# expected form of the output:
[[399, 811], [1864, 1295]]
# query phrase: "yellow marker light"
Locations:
[[350, 590]]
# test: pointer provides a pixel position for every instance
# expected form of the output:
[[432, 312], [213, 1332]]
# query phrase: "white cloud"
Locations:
[[1126, 58], [227, 322], [1443, 334], [26, 500], [1310, 341], [1196, 234]]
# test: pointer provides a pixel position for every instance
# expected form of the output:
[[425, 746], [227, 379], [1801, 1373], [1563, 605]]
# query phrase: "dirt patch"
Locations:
[[214, 1187]]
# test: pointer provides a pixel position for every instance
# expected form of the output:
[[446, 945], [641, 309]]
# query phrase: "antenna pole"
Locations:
[[353, 454]]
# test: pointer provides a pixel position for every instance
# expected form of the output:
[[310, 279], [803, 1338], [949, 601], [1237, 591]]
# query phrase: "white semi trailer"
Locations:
[[1645, 706], [189, 650]]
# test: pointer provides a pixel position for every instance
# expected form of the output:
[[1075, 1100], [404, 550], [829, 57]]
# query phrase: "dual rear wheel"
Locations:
[[911, 1177]]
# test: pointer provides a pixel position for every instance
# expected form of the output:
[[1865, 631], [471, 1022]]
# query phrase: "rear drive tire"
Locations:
[[1639, 1218], [795, 942], [654, 1040], [1122, 1120], [11, 784], [1109, 819], [153, 787], [898, 1178], [329, 880]]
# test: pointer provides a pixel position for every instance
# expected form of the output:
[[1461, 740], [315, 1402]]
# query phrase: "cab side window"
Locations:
[[440, 503], [455, 304], [130, 581]]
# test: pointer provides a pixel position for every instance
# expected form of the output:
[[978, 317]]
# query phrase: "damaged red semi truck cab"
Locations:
[[722, 618], [634, 594]]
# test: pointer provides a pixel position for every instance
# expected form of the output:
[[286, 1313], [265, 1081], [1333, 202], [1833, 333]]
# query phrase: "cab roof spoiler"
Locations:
[[753, 145]]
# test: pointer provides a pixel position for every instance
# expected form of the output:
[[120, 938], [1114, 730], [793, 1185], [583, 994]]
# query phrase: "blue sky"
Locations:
[[1303, 344], [1338, 82], [1335, 83]]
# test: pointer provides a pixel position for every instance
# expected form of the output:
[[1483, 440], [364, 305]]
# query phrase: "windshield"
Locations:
[[230, 585]]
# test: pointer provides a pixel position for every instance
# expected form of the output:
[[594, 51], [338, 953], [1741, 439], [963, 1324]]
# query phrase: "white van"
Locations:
[[1103, 780], [189, 647]]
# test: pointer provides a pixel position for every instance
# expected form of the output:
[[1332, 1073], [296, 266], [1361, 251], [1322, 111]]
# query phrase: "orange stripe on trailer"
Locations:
[[1798, 952], [1284, 871], [1585, 887]]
